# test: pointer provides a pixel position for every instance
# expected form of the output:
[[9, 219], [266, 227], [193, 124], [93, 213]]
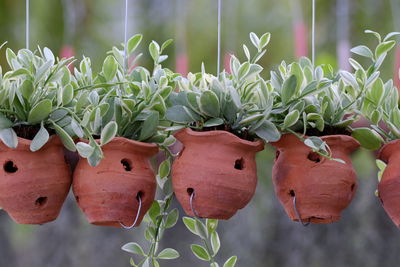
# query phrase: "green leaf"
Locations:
[[178, 114], [172, 218], [362, 50], [164, 168], [68, 94], [215, 242], [110, 67], [77, 128], [65, 138], [288, 89], [40, 139], [230, 262], [264, 40], [268, 132], [384, 47], [213, 122], [200, 252], [190, 224], [40, 112], [368, 138], [133, 248], [381, 166], [9, 137], [84, 150], [201, 229], [4, 122], [154, 211], [168, 254], [291, 119], [166, 44], [154, 50], [150, 125], [209, 104], [134, 42], [254, 39], [243, 70], [109, 132], [212, 225], [27, 89]]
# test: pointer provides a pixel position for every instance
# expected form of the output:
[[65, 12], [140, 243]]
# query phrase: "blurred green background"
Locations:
[[261, 234]]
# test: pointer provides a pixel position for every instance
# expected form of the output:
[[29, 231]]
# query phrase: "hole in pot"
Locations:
[[41, 201], [140, 195], [77, 199], [313, 156], [190, 191], [239, 164], [10, 167], [353, 186], [127, 164], [291, 193], [277, 153]]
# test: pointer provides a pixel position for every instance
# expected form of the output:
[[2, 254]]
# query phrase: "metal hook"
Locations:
[[191, 205], [297, 213], [137, 215]]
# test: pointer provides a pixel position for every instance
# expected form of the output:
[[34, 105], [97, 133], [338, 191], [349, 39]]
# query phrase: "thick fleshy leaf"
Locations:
[[368, 138], [288, 89], [40, 139], [4, 122], [172, 218], [133, 248], [150, 125], [168, 254], [268, 132], [110, 67], [65, 138], [84, 150], [230, 262], [209, 104], [200, 252], [40, 112], [108, 133], [9, 137]]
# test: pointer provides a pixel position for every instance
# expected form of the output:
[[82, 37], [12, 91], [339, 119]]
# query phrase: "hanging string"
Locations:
[[27, 25], [313, 33], [126, 37], [219, 37]]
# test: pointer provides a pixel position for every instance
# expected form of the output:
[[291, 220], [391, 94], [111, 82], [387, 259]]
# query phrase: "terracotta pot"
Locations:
[[389, 186], [322, 187], [33, 185], [109, 193], [219, 168]]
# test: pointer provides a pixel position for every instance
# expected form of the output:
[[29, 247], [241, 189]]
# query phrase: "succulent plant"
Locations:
[[239, 102], [36, 99]]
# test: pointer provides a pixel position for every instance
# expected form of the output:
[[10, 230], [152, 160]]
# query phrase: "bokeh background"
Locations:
[[261, 234]]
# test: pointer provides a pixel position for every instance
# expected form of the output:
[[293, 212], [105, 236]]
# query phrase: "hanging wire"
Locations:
[[126, 37], [219, 37], [192, 205], [27, 24], [298, 213], [313, 33], [137, 215]]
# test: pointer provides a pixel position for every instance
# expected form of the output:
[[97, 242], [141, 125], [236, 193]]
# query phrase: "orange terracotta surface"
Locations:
[[389, 186], [33, 185], [107, 193], [221, 170], [322, 187]]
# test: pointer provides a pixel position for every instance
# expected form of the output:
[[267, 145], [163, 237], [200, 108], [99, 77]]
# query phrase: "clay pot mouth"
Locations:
[[125, 144], [257, 145], [386, 151], [346, 141]]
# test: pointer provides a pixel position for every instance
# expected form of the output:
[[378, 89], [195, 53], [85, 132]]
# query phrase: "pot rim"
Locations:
[[147, 148], [258, 143], [382, 153]]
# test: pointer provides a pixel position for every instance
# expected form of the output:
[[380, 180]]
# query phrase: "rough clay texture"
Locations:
[[322, 187], [107, 193], [33, 185], [221, 170], [389, 186]]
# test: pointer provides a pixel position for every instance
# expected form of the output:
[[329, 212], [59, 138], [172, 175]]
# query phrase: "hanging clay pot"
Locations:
[[33, 185], [389, 186], [109, 193], [216, 168], [320, 188]]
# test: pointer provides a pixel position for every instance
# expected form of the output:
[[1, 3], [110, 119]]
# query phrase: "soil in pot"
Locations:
[[311, 187], [389, 186], [216, 172], [110, 193], [33, 185]]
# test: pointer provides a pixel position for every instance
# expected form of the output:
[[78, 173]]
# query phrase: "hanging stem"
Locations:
[[219, 37], [313, 33], [27, 25], [126, 38]]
